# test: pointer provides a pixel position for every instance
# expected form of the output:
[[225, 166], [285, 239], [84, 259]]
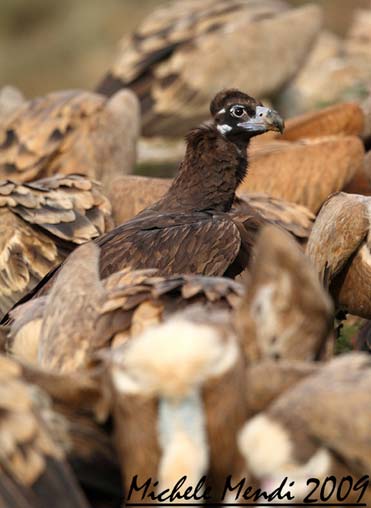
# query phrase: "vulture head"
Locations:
[[236, 114]]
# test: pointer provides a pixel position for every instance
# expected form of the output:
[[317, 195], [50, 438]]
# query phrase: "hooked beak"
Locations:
[[264, 120]]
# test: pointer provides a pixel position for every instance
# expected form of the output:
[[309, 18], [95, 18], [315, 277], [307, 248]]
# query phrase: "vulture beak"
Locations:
[[264, 120]]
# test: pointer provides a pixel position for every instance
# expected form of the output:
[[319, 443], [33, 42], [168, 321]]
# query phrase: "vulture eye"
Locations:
[[238, 111]]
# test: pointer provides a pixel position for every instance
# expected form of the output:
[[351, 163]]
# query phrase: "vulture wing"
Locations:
[[343, 388], [33, 139], [158, 61], [201, 243], [339, 230], [296, 219], [33, 469], [40, 224]]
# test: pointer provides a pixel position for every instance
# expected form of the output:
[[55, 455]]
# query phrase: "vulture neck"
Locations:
[[209, 174]]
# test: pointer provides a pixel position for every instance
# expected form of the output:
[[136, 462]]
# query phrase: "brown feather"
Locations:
[[301, 443], [340, 249], [34, 472], [190, 230], [294, 170], [40, 224], [64, 330], [140, 416], [285, 314], [68, 132], [77, 416], [345, 119], [181, 40], [132, 194]]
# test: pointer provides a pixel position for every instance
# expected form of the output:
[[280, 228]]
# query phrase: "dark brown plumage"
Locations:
[[133, 193], [191, 229]]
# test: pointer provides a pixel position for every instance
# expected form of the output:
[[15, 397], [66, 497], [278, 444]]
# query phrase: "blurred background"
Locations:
[[47, 45]]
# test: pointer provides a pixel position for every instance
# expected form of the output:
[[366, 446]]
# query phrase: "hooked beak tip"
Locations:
[[264, 120], [280, 125], [280, 128], [275, 122]]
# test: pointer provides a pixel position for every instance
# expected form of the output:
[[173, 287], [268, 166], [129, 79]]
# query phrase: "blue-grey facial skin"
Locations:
[[265, 119], [239, 119]]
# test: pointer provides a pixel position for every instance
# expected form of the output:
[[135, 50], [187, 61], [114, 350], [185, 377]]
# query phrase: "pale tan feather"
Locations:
[[175, 60], [339, 246], [285, 314], [40, 224], [305, 172], [70, 132], [32, 465]]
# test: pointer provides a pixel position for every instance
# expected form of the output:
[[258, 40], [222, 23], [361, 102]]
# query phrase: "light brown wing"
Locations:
[[352, 288], [76, 415], [175, 61], [268, 379], [130, 194], [345, 119], [294, 218], [26, 255], [361, 182], [34, 472], [68, 331], [71, 207], [82, 320], [342, 389], [339, 230], [34, 137], [24, 328], [40, 224], [285, 314], [127, 289], [304, 172], [174, 24], [140, 299]]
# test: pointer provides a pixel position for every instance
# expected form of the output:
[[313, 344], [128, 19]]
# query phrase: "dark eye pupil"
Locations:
[[238, 111]]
